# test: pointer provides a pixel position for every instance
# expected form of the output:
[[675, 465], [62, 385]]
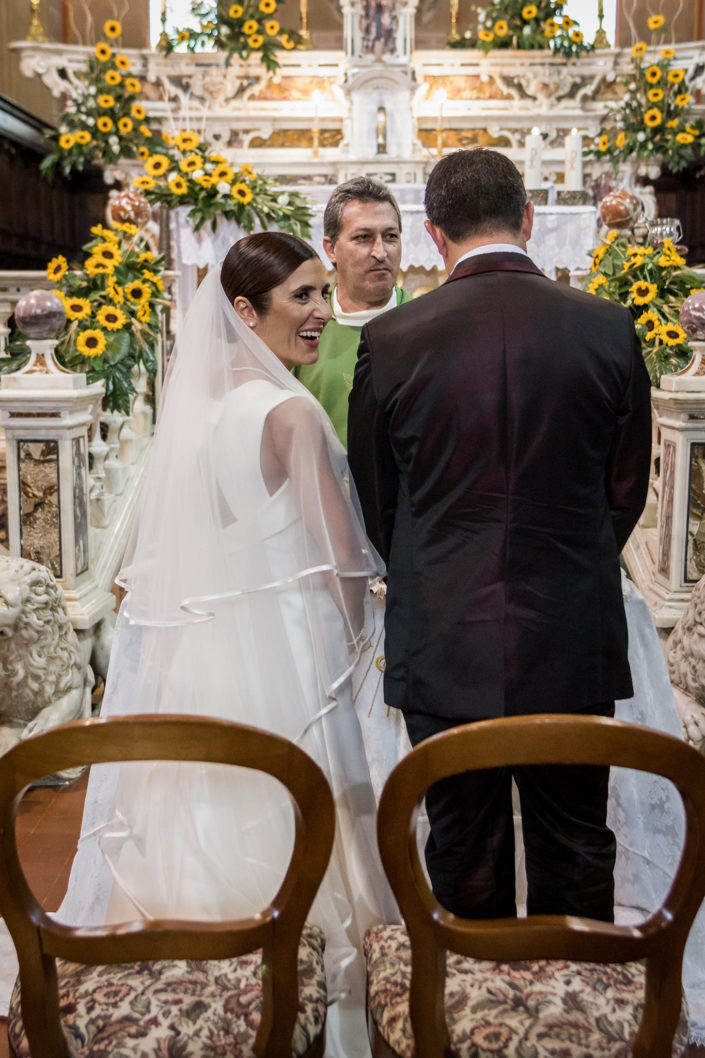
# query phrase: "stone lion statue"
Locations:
[[685, 655], [44, 678]]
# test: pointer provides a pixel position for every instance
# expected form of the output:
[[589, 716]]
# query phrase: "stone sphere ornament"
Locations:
[[40, 314], [620, 209], [692, 315], [128, 207]]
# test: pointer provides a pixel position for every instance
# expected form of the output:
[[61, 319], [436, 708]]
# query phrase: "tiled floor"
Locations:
[[48, 828]]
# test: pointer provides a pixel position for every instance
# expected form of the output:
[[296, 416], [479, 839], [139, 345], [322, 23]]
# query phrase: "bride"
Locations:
[[247, 598]]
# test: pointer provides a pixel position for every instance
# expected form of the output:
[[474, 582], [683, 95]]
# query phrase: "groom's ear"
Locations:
[[439, 238]]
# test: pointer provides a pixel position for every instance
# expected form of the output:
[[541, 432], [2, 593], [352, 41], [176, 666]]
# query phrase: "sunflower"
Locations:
[[642, 292], [187, 141], [250, 27], [91, 343], [485, 35], [576, 36], [668, 53], [529, 11], [603, 142], [655, 95], [594, 284], [224, 172], [182, 35], [271, 27], [103, 51], [83, 137], [672, 124], [621, 140], [114, 292], [143, 312], [104, 124], [144, 183], [682, 99], [639, 49], [653, 74], [675, 76], [57, 267], [655, 22], [242, 193], [205, 180], [255, 41], [125, 125], [122, 62], [267, 7], [287, 42], [106, 101], [157, 164], [95, 266], [146, 132], [113, 77], [132, 85], [106, 234], [77, 308], [652, 322], [126, 227], [67, 141], [611, 236], [670, 257], [692, 130], [247, 171], [178, 185], [111, 318], [137, 291], [147, 256], [168, 139], [150, 276], [143, 153], [108, 252], [112, 28], [501, 28], [672, 334], [633, 262], [138, 112], [190, 163], [550, 29], [653, 117], [235, 11]]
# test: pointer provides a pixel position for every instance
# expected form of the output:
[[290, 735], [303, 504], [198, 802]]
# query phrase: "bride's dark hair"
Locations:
[[260, 262]]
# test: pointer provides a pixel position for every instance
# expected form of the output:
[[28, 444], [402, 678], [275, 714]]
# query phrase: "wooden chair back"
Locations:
[[542, 739], [39, 939]]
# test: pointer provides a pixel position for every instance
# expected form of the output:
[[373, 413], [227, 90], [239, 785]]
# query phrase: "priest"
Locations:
[[362, 238]]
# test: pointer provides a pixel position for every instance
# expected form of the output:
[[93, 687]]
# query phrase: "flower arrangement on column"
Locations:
[[106, 120], [187, 172], [653, 283], [112, 303], [242, 29], [518, 24], [653, 119]]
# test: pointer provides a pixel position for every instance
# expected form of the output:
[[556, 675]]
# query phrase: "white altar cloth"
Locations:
[[562, 238]]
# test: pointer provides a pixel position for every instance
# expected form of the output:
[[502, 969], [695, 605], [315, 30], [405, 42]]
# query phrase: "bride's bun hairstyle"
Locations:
[[257, 264]]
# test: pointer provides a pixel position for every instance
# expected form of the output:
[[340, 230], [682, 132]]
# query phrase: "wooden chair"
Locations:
[[495, 993], [96, 990]]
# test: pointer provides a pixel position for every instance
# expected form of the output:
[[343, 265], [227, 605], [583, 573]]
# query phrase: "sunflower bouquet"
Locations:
[[654, 116], [112, 308], [241, 29], [518, 24], [188, 173], [105, 121], [652, 282]]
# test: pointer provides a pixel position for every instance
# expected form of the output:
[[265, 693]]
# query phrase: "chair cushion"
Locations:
[[513, 1010], [178, 1008]]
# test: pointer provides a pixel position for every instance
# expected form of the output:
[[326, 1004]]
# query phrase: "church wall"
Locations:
[[684, 20]]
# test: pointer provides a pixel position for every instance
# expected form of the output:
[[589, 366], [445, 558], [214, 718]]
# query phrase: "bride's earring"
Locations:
[[251, 323]]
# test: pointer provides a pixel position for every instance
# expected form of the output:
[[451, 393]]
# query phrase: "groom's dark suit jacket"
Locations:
[[499, 438]]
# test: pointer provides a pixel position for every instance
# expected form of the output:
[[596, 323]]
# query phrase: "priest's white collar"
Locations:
[[359, 319], [491, 247]]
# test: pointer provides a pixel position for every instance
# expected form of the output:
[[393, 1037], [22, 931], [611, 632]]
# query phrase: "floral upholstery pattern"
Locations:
[[179, 1008], [513, 1010]]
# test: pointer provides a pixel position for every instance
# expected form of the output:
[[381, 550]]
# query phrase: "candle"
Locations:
[[574, 161], [532, 161], [440, 97]]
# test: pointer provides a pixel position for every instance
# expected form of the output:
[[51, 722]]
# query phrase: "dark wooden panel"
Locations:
[[682, 195]]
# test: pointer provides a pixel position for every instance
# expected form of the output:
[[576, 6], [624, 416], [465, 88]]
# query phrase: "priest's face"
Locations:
[[366, 255], [297, 313]]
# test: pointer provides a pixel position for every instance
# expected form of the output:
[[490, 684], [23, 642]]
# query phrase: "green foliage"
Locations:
[[243, 29], [528, 26]]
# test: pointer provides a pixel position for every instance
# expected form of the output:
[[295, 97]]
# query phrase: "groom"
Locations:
[[499, 437]]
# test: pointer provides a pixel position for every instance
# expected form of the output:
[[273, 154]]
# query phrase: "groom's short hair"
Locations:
[[474, 192]]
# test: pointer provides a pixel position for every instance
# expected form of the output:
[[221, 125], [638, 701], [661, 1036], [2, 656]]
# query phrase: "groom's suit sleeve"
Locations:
[[370, 454]]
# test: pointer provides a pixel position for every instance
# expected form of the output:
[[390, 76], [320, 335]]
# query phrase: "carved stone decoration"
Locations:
[[686, 666], [44, 680]]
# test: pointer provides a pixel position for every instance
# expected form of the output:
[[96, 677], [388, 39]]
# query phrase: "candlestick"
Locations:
[[573, 179], [36, 32], [440, 96], [600, 40], [304, 33], [163, 42], [533, 144], [453, 35], [316, 96]]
